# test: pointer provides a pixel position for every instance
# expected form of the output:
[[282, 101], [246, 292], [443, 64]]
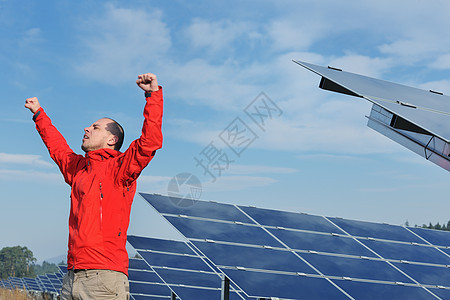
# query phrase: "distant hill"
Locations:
[[55, 260]]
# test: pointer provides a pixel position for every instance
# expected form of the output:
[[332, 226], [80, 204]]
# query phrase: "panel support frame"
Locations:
[[225, 294]]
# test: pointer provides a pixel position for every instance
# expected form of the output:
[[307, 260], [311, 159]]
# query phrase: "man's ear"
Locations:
[[113, 140]]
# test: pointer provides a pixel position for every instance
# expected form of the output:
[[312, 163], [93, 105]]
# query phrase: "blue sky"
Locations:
[[213, 59]]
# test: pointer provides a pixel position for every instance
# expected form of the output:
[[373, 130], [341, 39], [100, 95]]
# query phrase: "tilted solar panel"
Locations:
[[417, 119], [31, 284], [17, 282], [269, 253], [46, 284]]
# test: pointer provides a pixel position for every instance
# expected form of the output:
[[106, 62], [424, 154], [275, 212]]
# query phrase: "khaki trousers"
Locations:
[[95, 284]]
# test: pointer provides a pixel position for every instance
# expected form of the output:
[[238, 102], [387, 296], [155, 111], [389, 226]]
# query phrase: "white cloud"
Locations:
[[323, 135], [218, 35], [442, 86], [153, 184], [237, 183], [121, 42], [24, 159], [256, 169], [410, 50], [30, 175], [221, 87], [292, 34], [442, 62], [363, 65], [147, 179], [31, 37]]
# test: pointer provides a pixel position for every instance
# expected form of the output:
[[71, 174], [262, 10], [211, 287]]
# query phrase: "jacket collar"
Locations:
[[102, 154]]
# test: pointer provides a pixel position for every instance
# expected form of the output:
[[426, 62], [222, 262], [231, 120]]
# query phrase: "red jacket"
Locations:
[[103, 186]]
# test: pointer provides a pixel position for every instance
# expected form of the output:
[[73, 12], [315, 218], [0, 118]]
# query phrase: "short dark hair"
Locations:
[[117, 130]]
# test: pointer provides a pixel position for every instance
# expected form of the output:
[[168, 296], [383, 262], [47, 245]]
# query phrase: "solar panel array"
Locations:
[[269, 253], [49, 283]]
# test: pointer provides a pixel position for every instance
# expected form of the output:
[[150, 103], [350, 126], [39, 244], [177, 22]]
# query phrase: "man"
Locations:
[[103, 184]]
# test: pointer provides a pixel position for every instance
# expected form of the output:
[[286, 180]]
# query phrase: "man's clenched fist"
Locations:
[[148, 82], [32, 104]]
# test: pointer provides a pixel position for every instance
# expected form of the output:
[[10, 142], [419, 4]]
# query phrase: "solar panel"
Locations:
[[23, 283], [56, 281], [62, 269], [180, 268], [46, 284], [6, 284], [31, 284], [269, 253], [145, 283], [17, 282], [415, 118]]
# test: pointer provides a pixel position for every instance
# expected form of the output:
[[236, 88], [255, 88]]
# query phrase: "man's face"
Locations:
[[96, 136]]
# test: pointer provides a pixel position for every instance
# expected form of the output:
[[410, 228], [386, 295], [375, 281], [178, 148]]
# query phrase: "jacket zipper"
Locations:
[[101, 207]]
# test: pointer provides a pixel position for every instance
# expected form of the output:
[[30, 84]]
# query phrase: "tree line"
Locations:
[[438, 226], [19, 262]]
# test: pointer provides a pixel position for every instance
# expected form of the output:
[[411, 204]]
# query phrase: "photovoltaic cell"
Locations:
[[16, 282], [261, 284], [138, 264], [31, 284], [147, 297], [189, 278], [196, 293], [366, 269], [298, 256], [150, 289], [56, 281], [7, 284], [442, 293], [374, 230], [291, 220], [322, 243], [427, 275], [159, 245], [62, 269], [408, 252], [144, 282], [217, 211], [243, 256], [144, 276], [434, 237], [229, 232], [180, 268], [376, 291], [174, 261]]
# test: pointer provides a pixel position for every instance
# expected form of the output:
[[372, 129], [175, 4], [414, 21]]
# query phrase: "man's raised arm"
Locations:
[[56, 144], [142, 150]]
